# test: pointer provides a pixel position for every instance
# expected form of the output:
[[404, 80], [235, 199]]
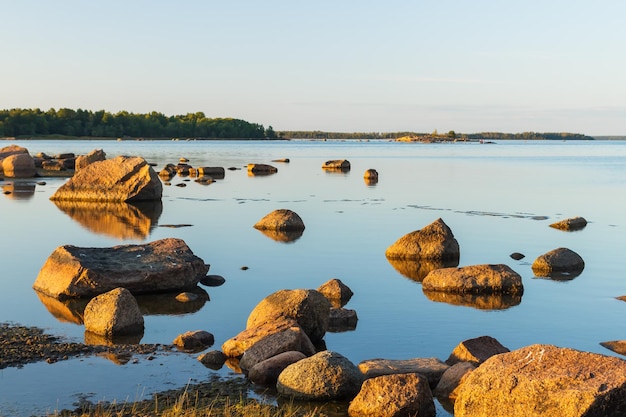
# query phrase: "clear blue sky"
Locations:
[[341, 65]]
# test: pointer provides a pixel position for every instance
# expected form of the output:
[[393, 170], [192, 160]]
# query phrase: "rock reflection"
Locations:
[[285, 236], [72, 310], [417, 270], [478, 301], [559, 276], [19, 190], [118, 220], [94, 339]]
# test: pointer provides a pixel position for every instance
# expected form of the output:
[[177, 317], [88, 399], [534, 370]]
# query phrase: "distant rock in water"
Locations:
[[281, 219], [337, 165], [122, 179], [571, 224], [558, 262], [163, 265]]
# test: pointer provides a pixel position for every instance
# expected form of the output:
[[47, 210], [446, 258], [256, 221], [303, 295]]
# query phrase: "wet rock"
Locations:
[[212, 280], [517, 256], [281, 219], [213, 359], [194, 341], [474, 279], [308, 307], [336, 291], [261, 169], [558, 261], [163, 265], [398, 395], [547, 381], [114, 313], [476, 350], [431, 368], [292, 339], [83, 160], [571, 224], [325, 376], [452, 379], [337, 164], [433, 242], [371, 174], [266, 372], [213, 172], [20, 165], [121, 179]]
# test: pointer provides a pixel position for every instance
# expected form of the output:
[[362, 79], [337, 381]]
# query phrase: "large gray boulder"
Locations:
[[266, 372], [114, 313], [308, 307], [545, 381], [560, 261], [121, 179], [325, 376], [398, 395], [434, 242], [159, 266], [474, 279], [292, 339], [20, 165]]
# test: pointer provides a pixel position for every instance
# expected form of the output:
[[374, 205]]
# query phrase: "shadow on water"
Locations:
[[72, 310], [477, 301], [118, 220]]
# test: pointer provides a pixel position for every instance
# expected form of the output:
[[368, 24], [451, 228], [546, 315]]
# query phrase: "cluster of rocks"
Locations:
[[17, 162]]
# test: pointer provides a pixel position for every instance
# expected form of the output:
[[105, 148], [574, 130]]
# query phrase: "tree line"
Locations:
[[317, 134], [86, 123]]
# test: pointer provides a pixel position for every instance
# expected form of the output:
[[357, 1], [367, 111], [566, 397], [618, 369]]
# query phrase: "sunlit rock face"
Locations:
[[20, 165], [433, 242], [159, 266], [119, 220], [121, 179], [475, 279], [114, 313]]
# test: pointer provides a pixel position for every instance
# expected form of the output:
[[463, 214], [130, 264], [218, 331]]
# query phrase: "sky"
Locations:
[[340, 66]]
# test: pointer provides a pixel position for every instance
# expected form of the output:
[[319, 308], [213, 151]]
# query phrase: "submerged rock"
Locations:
[[163, 265]]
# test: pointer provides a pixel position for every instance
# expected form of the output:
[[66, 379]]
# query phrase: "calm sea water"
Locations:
[[497, 199]]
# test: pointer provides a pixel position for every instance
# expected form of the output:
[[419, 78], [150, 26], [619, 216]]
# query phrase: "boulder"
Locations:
[[337, 164], [212, 280], [236, 346], [546, 381], [571, 224], [194, 341], [474, 279], [325, 376], [433, 242], [260, 169], [452, 379], [20, 165], [371, 174], [431, 368], [83, 160], [162, 265], [213, 359], [291, 339], [341, 320], [517, 256], [337, 292], [213, 172], [11, 150], [476, 350], [399, 395], [281, 219], [308, 307], [266, 372], [113, 313], [122, 179], [558, 261]]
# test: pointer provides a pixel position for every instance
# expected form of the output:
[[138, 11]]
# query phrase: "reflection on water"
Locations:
[[285, 236], [118, 220], [478, 301], [19, 190], [559, 275], [417, 270], [72, 310], [102, 340]]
